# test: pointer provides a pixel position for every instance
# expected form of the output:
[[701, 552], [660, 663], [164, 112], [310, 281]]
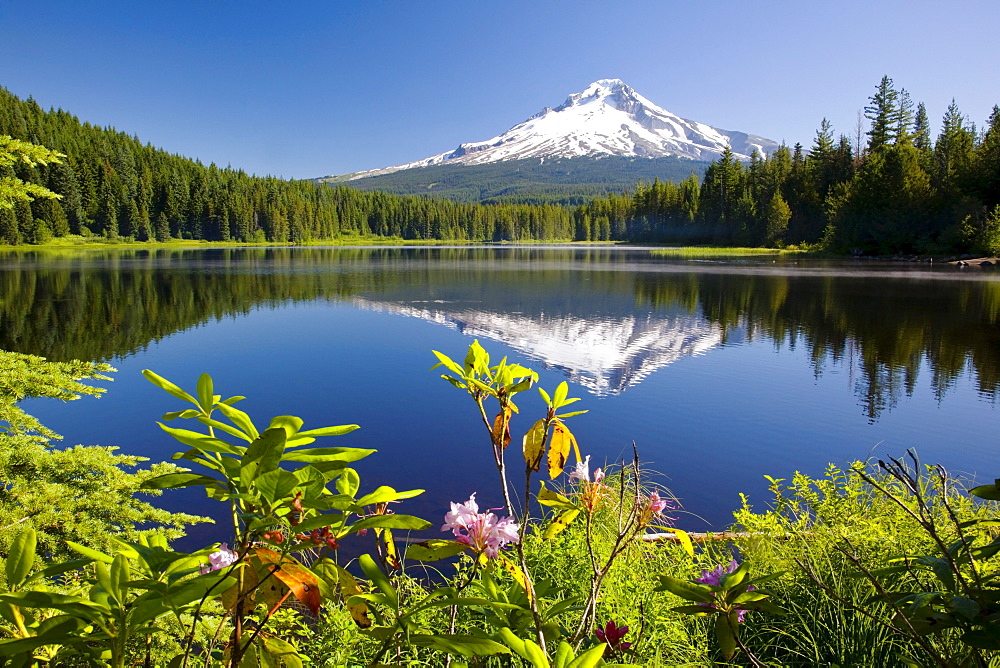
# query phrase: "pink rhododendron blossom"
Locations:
[[220, 559], [581, 471], [714, 579], [656, 504], [612, 634], [652, 508], [483, 532], [591, 491]]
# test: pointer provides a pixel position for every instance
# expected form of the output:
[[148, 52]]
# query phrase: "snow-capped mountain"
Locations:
[[608, 118]]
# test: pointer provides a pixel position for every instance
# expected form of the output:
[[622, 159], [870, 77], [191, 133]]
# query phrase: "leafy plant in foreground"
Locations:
[[276, 512], [727, 593], [127, 597], [946, 602]]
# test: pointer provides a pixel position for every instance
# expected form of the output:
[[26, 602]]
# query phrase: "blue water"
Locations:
[[712, 419]]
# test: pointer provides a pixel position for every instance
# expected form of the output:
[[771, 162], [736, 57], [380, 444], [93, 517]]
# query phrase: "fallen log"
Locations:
[[709, 536]]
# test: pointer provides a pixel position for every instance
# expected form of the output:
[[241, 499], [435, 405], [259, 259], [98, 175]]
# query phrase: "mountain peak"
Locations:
[[607, 118]]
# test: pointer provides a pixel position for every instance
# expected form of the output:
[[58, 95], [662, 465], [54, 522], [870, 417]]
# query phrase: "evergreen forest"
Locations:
[[116, 187], [893, 188]]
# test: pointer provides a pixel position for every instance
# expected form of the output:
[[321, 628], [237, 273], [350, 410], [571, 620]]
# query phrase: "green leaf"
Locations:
[[766, 606], [988, 492], [338, 430], [559, 396], [206, 395], [21, 557], [120, 575], [200, 442], [176, 480], [90, 553], [378, 579], [187, 413], [262, 456], [724, 632], [448, 363], [314, 455], [987, 638], [385, 494], [222, 426], [465, 645], [526, 649], [434, 549], [590, 658], [390, 522], [693, 609], [240, 419], [167, 386], [965, 607], [545, 397], [686, 590], [564, 654], [349, 482], [276, 485], [73, 605], [289, 423]]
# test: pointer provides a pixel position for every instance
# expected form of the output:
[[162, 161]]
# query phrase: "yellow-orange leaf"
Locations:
[[559, 447], [560, 523], [295, 576], [391, 556], [501, 428], [515, 572], [248, 590], [534, 440]]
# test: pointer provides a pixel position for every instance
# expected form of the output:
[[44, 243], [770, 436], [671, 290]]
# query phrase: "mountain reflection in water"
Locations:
[[604, 355]]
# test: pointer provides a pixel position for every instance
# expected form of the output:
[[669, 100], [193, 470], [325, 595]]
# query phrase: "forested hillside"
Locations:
[[115, 186], [894, 189], [564, 181]]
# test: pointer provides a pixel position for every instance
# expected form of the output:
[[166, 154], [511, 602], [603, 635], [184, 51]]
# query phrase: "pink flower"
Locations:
[[483, 532], [656, 504], [222, 558], [653, 507], [598, 474], [612, 634], [581, 471]]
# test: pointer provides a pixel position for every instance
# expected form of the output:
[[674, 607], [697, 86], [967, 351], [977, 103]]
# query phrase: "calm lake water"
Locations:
[[721, 371]]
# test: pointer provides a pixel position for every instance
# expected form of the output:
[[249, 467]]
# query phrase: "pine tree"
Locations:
[[987, 164], [953, 152], [162, 227], [922, 137], [903, 118], [883, 112], [776, 220]]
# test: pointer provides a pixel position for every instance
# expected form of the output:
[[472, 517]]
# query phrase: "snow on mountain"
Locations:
[[608, 118]]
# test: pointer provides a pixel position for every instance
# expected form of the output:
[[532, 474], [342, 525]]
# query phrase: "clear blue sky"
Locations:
[[301, 89]]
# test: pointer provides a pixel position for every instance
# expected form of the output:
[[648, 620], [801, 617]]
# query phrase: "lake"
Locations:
[[720, 370]]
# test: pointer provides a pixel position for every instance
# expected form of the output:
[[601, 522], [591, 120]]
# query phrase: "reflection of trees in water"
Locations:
[[101, 304], [883, 329]]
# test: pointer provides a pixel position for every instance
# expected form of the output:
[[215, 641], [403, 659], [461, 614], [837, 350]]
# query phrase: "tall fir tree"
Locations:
[[883, 113]]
